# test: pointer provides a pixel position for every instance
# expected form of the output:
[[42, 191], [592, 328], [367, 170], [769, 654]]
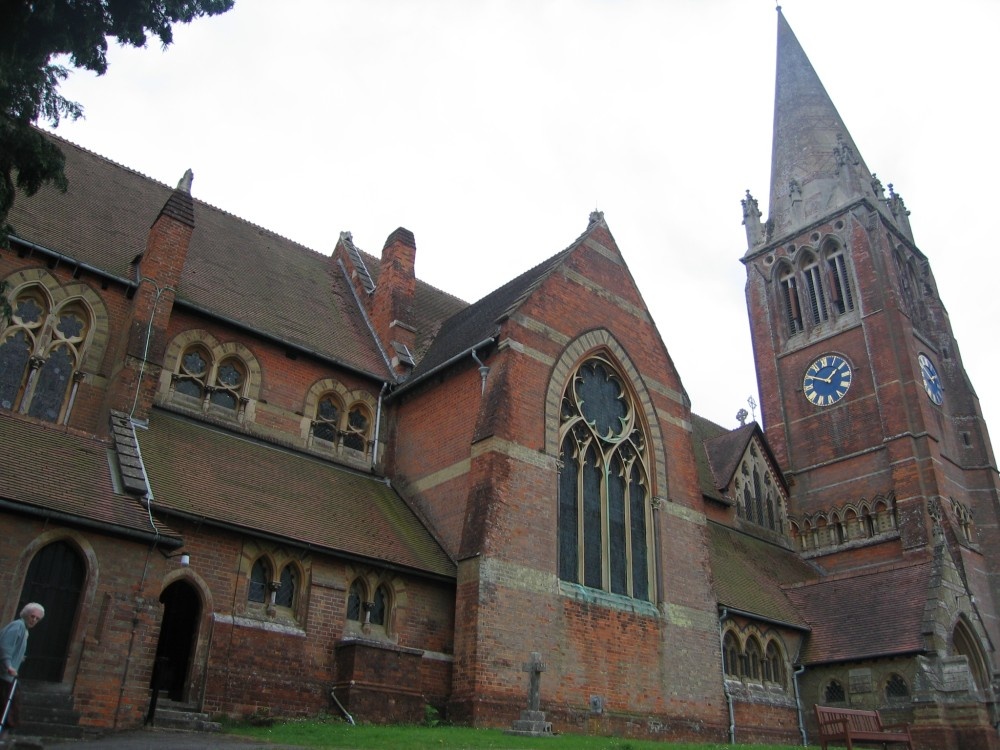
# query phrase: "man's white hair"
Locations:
[[32, 607]]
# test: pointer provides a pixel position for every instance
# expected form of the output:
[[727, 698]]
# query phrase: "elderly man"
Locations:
[[13, 644]]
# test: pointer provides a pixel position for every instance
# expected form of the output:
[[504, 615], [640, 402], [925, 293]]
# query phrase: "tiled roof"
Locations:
[[481, 320], [206, 472], [703, 432], [48, 468], [234, 269], [853, 618], [748, 574]]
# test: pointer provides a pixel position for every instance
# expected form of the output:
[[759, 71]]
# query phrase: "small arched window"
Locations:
[[731, 655], [260, 581], [356, 601], [814, 289], [790, 300], [754, 659], [896, 688], [287, 587], [841, 298], [348, 428], [207, 382], [774, 664], [380, 606], [834, 692]]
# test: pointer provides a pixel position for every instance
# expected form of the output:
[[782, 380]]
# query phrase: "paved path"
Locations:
[[154, 739]]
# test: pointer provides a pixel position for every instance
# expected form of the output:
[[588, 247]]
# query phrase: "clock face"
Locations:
[[932, 381], [827, 380]]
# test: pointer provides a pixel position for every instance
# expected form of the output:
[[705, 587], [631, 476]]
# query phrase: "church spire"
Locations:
[[815, 165]]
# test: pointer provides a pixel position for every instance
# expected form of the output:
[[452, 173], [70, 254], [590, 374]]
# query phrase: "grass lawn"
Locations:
[[334, 733]]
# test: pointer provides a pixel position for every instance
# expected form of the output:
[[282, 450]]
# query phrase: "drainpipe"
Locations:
[[378, 425], [725, 683], [798, 703], [483, 370]]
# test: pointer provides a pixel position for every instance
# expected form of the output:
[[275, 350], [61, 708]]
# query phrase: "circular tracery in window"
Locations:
[[601, 398]]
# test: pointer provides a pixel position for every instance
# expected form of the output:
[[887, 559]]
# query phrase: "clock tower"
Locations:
[[864, 398]]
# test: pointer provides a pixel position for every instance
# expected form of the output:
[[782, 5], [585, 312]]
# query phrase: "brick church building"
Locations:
[[266, 479]]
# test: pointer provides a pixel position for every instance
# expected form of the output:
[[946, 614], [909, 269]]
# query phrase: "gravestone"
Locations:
[[532, 722]]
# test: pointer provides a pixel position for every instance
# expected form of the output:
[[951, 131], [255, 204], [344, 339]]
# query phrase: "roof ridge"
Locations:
[[172, 189]]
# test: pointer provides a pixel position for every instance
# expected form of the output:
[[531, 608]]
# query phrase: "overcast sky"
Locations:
[[491, 129]]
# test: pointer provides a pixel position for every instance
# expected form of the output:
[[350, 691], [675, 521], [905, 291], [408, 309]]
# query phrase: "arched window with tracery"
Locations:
[[342, 427], [210, 383], [41, 349], [604, 488]]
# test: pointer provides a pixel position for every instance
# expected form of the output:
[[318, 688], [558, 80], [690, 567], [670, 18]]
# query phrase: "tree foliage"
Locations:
[[40, 40]]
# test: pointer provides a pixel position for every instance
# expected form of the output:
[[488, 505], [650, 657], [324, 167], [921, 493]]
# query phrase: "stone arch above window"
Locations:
[[605, 513], [45, 347]]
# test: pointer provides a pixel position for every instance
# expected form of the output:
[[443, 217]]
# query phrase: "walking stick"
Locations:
[[6, 709]]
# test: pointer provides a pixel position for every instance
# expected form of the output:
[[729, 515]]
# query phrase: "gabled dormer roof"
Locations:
[[815, 164], [719, 452]]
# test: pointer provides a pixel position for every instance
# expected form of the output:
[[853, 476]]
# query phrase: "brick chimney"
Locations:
[[158, 270], [392, 303]]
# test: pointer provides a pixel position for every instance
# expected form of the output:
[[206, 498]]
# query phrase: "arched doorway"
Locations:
[[178, 634], [55, 579]]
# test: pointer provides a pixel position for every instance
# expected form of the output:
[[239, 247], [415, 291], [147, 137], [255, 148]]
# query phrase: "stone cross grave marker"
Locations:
[[535, 667]]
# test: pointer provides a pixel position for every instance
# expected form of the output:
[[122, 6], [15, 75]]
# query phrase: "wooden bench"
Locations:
[[850, 725]]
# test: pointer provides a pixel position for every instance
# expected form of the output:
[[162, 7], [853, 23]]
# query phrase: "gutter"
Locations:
[[447, 363], [71, 520]]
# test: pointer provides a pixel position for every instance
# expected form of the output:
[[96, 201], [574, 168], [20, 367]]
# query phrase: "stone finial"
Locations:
[[596, 217], [751, 220], [900, 213], [185, 183]]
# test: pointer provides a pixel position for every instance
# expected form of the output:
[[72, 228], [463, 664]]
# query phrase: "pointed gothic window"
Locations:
[[356, 601], [834, 693], [40, 353], [790, 301], [814, 290], [731, 655], [287, 587], [840, 287], [603, 484], [260, 581]]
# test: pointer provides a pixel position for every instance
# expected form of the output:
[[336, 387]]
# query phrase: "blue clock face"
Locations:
[[827, 380], [932, 381]]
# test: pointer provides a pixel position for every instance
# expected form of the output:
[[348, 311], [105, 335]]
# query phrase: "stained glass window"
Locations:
[[603, 486], [40, 354]]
